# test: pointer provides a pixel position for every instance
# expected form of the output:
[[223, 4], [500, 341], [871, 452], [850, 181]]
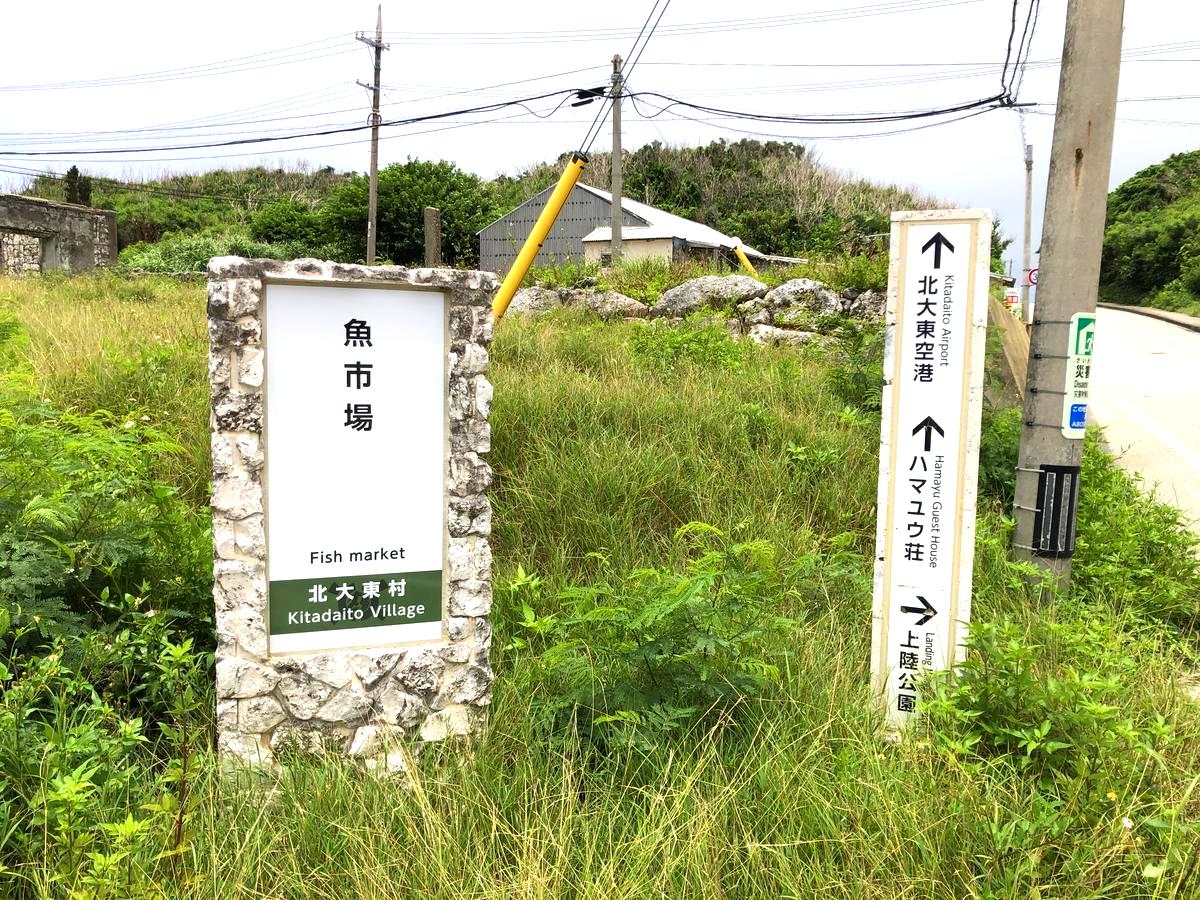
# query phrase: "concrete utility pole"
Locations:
[[617, 184], [373, 189], [1027, 259], [433, 236], [1072, 237]]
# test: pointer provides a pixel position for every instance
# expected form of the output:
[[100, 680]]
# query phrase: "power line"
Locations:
[[491, 107], [840, 119], [682, 29], [1031, 20], [676, 116], [135, 133], [594, 129], [267, 59], [324, 146]]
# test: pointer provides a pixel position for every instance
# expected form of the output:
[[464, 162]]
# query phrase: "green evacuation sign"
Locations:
[[355, 431], [1081, 337]]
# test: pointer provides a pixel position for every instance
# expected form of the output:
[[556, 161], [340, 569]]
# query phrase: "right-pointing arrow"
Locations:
[[925, 610]]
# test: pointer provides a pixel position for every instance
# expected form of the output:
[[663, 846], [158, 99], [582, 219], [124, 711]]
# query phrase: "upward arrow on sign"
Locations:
[[937, 242], [929, 426]]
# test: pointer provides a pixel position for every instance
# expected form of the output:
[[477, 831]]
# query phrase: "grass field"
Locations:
[[1064, 762]]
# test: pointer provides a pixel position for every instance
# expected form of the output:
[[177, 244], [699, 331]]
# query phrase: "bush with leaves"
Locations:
[[1056, 703], [405, 189], [697, 343], [636, 659], [80, 511], [99, 735]]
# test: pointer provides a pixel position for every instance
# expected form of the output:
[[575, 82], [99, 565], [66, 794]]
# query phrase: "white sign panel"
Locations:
[[929, 453], [1080, 339], [355, 437]]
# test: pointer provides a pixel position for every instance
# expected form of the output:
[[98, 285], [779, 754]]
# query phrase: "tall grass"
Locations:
[[605, 440], [134, 347]]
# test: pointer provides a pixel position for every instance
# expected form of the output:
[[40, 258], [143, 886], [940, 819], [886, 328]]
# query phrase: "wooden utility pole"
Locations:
[[1072, 236], [617, 185], [373, 188], [433, 236], [1027, 258]]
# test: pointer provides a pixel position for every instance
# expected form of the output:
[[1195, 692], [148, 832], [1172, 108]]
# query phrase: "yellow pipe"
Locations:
[[745, 260], [537, 237]]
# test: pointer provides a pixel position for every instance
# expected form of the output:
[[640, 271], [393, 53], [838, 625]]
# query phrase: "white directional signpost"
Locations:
[[929, 450]]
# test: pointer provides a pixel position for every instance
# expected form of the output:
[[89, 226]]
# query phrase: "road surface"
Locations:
[[1146, 394]]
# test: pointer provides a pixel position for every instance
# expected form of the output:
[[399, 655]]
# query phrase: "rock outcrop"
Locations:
[[708, 292]]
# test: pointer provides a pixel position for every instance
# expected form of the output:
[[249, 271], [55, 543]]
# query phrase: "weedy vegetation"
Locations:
[[684, 532]]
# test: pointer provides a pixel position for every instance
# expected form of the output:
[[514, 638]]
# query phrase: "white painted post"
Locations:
[[929, 450]]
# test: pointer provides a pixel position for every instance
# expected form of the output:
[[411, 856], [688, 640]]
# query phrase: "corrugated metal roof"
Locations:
[[662, 225]]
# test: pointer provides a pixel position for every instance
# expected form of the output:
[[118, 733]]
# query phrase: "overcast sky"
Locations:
[[296, 63]]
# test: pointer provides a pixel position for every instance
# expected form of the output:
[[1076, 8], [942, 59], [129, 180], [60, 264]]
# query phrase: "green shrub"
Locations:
[[190, 252], [856, 368], [668, 347], [637, 659], [99, 736], [569, 274], [80, 512], [287, 222], [1132, 550]]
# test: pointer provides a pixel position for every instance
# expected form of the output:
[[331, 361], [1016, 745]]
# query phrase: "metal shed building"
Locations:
[[586, 209]]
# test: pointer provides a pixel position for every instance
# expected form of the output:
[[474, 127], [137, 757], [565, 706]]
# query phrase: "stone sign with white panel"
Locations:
[[350, 515]]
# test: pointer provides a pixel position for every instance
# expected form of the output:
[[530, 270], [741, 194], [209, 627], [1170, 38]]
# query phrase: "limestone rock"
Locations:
[[472, 685], [348, 705], [242, 632], [805, 293], [421, 672], [752, 306], [869, 305], [369, 666], [250, 366], [331, 668], [238, 747], [469, 475], [306, 740], [469, 359], [227, 715], [717, 291], [396, 706], [769, 334], [534, 300], [470, 515], [472, 597], [611, 305], [469, 558], [761, 317], [237, 497], [455, 653], [303, 695], [445, 723], [260, 714], [243, 678]]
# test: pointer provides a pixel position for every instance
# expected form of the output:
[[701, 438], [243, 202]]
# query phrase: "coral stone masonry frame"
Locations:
[[352, 584]]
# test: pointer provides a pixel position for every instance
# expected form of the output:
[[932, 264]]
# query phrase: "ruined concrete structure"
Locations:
[[41, 236]]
